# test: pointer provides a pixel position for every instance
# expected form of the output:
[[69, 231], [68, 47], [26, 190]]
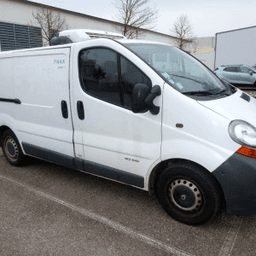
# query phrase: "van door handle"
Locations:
[[80, 110], [64, 109]]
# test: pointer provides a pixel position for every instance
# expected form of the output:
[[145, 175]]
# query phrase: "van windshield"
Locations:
[[179, 69]]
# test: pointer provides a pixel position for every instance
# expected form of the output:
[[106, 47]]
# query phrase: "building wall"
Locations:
[[20, 12], [207, 58], [17, 36], [202, 44]]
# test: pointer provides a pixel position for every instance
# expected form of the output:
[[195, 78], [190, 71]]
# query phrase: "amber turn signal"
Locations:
[[247, 151]]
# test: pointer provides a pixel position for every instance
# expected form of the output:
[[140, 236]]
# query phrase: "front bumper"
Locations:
[[237, 177]]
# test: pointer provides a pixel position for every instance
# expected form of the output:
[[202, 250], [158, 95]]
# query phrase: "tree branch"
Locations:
[[50, 22], [183, 31], [135, 16]]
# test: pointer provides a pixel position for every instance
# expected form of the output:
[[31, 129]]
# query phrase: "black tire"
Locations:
[[189, 193], [11, 149]]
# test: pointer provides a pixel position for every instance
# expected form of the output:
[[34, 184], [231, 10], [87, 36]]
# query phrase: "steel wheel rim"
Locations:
[[185, 195], [11, 149]]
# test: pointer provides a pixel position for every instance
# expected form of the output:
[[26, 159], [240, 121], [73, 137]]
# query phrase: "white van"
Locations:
[[141, 113]]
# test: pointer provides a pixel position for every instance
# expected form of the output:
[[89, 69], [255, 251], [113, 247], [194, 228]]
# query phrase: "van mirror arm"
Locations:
[[155, 91]]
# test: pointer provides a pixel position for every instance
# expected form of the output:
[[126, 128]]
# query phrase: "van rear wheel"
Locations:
[[189, 193], [11, 148]]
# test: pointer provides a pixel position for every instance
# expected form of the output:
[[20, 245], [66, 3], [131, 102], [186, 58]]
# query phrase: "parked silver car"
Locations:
[[237, 74]]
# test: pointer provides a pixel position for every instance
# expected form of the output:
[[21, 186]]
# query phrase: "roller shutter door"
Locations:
[[14, 36]]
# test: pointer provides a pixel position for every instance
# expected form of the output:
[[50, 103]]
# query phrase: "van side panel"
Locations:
[[6, 91], [40, 81], [7, 106]]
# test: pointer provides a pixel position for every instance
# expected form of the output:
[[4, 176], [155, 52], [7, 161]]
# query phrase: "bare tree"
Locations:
[[50, 21], [195, 44], [183, 31], [135, 15]]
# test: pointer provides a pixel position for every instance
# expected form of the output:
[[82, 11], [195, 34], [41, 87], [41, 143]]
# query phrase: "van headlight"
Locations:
[[243, 133]]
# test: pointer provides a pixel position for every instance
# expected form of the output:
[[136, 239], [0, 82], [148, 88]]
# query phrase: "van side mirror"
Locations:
[[142, 99], [139, 94]]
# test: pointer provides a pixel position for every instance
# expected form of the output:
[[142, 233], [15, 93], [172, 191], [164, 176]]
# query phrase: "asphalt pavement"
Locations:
[[51, 210], [250, 92]]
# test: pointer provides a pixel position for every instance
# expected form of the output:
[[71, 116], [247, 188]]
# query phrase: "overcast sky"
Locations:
[[207, 17]]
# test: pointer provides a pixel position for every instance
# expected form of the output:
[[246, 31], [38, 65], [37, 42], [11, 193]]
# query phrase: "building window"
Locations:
[[14, 36]]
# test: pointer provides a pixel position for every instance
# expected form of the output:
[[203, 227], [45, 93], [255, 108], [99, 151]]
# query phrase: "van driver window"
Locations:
[[99, 74], [102, 78]]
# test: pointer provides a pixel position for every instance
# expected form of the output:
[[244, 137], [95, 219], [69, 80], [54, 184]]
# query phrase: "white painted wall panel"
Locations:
[[236, 47]]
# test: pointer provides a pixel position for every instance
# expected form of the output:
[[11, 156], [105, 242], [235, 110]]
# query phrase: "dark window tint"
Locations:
[[245, 70], [102, 77], [130, 76], [231, 69], [99, 74]]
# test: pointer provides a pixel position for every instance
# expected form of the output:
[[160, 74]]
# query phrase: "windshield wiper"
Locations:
[[225, 92], [188, 78], [202, 93], [208, 92], [185, 77]]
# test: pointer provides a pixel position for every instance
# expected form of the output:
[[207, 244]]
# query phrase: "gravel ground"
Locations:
[[252, 93]]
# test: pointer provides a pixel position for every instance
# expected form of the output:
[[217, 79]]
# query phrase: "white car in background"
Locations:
[[237, 74]]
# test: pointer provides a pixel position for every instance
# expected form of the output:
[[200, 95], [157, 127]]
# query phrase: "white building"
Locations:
[[15, 33], [203, 49], [203, 44], [16, 15], [207, 58]]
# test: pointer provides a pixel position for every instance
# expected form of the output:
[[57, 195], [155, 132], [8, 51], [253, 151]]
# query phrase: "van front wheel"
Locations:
[[11, 148], [189, 193]]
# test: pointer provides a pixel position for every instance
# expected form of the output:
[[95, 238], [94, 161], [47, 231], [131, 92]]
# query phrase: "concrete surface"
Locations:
[[250, 92], [50, 210]]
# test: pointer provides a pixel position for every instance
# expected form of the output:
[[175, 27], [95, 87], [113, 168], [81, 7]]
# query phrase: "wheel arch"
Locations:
[[160, 167], [3, 128]]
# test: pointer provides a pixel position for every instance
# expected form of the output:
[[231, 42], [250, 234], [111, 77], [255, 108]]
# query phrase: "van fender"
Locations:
[[207, 155], [202, 152]]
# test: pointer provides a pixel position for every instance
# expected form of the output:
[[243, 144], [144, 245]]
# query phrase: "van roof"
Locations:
[[122, 41], [140, 41]]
